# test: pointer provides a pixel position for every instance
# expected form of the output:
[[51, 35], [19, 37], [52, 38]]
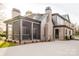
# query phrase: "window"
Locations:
[[56, 33], [69, 32], [66, 31]]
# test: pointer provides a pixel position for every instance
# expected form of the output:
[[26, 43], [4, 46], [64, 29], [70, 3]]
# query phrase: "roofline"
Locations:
[[13, 19], [19, 17], [61, 17], [63, 26], [31, 19]]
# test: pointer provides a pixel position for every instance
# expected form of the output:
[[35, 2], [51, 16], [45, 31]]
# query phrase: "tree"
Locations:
[[2, 16]]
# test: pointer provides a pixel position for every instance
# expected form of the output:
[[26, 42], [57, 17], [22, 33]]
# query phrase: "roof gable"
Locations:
[[61, 17]]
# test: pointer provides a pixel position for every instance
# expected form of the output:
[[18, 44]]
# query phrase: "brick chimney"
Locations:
[[15, 12], [49, 24]]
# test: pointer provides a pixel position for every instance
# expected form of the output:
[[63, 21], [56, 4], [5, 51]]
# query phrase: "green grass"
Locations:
[[6, 44]]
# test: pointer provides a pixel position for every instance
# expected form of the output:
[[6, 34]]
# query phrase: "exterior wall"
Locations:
[[61, 33], [67, 23], [68, 32]]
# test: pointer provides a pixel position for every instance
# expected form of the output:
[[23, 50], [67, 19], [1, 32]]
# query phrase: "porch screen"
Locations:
[[26, 30]]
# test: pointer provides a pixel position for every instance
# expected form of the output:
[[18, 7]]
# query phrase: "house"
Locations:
[[45, 26]]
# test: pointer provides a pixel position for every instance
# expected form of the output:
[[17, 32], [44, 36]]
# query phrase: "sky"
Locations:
[[24, 5]]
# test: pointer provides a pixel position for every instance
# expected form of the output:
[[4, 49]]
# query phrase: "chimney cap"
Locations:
[[48, 8]]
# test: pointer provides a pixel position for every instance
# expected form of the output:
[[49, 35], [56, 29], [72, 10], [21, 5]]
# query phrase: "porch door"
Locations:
[[56, 33]]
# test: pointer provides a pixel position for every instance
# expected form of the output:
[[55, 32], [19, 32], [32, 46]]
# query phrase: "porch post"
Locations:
[[32, 31], [12, 31], [20, 31], [6, 31]]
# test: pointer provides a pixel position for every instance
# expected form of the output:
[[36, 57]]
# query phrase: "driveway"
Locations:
[[54, 48]]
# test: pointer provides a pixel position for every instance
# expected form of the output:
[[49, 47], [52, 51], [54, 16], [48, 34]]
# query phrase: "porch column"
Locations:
[[6, 31], [12, 31], [32, 31], [20, 31]]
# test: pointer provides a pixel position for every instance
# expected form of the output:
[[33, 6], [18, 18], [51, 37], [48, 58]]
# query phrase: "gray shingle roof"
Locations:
[[38, 17], [35, 17]]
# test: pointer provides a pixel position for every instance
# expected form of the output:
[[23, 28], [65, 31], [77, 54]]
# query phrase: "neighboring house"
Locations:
[[46, 26]]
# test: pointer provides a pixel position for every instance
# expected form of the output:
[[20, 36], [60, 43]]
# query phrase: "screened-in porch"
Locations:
[[23, 30], [30, 30]]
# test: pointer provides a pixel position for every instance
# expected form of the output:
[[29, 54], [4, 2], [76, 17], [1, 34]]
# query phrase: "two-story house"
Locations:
[[32, 26]]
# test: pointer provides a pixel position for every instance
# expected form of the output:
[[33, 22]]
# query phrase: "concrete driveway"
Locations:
[[54, 48]]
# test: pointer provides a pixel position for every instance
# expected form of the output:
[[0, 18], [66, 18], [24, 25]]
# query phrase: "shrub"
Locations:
[[3, 34], [71, 37], [0, 38], [66, 38]]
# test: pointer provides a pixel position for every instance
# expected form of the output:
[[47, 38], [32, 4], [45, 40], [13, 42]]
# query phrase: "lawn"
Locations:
[[4, 44], [76, 37]]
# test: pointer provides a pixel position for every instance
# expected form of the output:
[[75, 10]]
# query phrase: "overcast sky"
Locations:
[[71, 9]]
